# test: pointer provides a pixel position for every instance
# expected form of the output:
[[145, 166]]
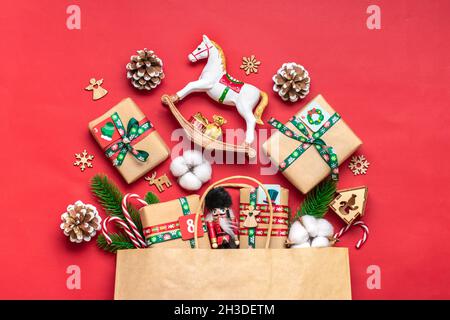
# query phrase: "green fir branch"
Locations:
[[110, 197], [107, 194], [151, 198], [317, 200], [119, 241]]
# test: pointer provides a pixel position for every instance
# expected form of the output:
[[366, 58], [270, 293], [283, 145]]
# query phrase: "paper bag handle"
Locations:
[[201, 205]]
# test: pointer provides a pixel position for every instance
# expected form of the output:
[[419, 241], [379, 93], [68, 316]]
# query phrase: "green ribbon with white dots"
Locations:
[[252, 231], [124, 145], [307, 140]]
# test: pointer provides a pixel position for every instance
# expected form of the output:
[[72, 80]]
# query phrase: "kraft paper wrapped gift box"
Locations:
[[280, 203], [168, 224], [129, 140], [301, 162]]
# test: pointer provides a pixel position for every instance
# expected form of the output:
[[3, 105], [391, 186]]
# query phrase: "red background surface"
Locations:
[[390, 85]]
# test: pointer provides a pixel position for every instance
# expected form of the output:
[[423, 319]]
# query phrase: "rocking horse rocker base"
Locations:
[[220, 86], [196, 136]]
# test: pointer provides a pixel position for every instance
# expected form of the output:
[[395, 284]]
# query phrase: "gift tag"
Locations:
[[314, 116], [106, 132], [274, 191], [187, 227]]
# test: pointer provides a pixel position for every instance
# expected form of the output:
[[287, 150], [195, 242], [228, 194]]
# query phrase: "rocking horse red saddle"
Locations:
[[231, 82]]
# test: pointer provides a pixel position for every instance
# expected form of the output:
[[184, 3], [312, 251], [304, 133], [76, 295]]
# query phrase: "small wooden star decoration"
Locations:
[[250, 65], [95, 86], [250, 220], [84, 160]]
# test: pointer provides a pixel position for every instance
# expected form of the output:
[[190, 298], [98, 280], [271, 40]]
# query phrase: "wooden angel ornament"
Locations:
[[95, 86], [220, 86]]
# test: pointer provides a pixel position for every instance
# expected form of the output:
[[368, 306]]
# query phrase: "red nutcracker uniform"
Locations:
[[217, 235]]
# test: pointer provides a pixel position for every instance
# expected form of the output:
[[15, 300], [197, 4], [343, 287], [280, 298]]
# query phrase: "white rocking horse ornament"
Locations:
[[220, 86]]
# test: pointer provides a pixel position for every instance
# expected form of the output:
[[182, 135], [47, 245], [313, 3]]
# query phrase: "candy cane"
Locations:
[[124, 226], [128, 217], [130, 229], [357, 223]]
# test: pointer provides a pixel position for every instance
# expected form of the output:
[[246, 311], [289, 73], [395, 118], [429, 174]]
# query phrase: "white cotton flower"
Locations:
[[189, 181], [298, 234], [324, 228], [203, 171], [320, 242], [193, 158], [191, 169], [309, 231], [178, 167], [310, 224]]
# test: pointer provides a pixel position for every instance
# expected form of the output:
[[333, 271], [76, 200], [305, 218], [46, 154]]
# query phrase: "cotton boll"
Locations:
[[324, 228], [310, 224], [320, 242], [303, 245], [193, 158], [191, 169], [203, 171], [178, 166], [189, 181], [297, 233]]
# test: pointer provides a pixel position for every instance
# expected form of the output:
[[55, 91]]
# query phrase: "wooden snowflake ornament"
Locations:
[[250, 65], [83, 160], [359, 165]]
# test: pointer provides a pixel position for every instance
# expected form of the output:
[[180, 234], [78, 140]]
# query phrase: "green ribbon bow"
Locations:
[[124, 145], [307, 140]]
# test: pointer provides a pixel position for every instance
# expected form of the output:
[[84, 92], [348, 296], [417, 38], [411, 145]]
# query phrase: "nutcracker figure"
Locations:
[[221, 222]]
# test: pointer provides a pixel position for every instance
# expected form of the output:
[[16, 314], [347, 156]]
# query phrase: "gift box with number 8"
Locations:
[[171, 224]]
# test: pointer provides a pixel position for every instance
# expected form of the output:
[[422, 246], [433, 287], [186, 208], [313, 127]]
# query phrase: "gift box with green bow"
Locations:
[[311, 145], [129, 140]]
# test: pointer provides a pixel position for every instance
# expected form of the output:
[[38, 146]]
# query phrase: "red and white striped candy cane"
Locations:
[[128, 217], [130, 229], [123, 225], [357, 223]]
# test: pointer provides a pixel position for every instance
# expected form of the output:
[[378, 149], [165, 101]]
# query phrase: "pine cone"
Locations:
[[80, 222], [291, 82], [145, 70]]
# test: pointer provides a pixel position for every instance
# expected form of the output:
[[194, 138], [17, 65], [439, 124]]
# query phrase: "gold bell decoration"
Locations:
[[214, 129]]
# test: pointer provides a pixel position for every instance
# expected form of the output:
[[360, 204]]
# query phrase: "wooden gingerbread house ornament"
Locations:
[[350, 203]]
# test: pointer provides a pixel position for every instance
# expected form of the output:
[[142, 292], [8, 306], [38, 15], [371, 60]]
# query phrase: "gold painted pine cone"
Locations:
[[292, 82], [145, 70], [80, 222]]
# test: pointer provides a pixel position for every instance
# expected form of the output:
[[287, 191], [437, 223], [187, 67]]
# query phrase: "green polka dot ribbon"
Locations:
[[307, 140], [125, 144], [233, 80], [252, 231]]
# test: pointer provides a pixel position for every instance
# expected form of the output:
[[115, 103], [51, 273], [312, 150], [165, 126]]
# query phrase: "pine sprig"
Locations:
[[119, 242], [107, 194], [317, 200], [151, 198], [110, 197]]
